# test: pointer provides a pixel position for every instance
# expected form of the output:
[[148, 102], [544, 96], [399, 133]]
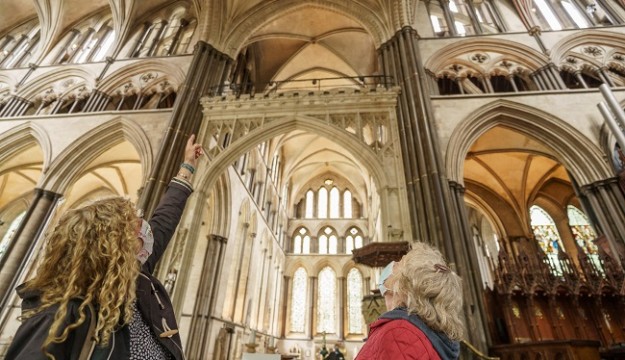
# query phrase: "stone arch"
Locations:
[[256, 17], [220, 199], [37, 85], [348, 266], [66, 167], [21, 137], [476, 202], [10, 80], [116, 79], [325, 262], [519, 52], [363, 154], [292, 267], [590, 37], [578, 154]]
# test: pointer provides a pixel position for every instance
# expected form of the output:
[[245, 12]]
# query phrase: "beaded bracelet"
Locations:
[[188, 167]]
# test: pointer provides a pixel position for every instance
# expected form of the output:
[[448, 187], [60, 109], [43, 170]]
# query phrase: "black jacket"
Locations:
[[152, 301]]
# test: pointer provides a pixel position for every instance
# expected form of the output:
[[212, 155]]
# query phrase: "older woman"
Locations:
[[426, 301]]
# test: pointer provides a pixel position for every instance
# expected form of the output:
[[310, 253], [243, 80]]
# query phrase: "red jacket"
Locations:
[[397, 335]]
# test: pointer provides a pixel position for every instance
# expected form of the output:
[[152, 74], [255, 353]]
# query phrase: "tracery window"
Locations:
[[583, 234], [298, 300], [547, 236], [301, 242], [328, 241], [9, 234], [326, 314], [354, 302], [17, 47], [353, 240]]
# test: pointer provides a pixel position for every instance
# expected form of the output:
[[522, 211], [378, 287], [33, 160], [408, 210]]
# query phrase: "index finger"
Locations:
[[191, 140]]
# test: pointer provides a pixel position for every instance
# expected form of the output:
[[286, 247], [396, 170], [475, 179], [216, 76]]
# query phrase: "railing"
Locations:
[[318, 84]]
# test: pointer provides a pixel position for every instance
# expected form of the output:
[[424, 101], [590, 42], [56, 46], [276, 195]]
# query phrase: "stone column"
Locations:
[[285, 301], [607, 208], [342, 306], [200, 329], [400, 58], [14, 263], [312, 283], [467, 266], [206, 75]]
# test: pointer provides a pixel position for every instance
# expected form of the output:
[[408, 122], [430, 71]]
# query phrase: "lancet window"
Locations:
[[17, 47], [298, 300], [547, 236], [89, 42], [464, 17], [326, 301], [354, 302], [165, 35]]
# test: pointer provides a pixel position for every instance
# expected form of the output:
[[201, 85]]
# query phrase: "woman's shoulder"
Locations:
[[402, 337]]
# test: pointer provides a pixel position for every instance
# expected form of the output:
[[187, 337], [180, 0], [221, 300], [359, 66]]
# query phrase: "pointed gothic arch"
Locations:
[[517, 51], [363, 154], [579, 155], [23, 136], [172, 73], [40, 83], [66, 166]]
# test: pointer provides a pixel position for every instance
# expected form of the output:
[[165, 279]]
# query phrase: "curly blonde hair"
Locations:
[[428, 288], [90, 255]]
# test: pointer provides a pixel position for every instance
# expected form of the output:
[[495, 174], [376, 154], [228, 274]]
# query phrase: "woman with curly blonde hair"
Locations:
[[94, 295], [426, 301]]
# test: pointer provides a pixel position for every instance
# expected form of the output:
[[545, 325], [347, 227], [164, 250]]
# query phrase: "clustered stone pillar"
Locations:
[[400, 59], [23, 244], [608, 208], [199, 334], [436, 218], [206, 76]]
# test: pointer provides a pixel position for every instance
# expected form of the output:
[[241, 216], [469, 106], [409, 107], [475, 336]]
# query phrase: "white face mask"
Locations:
[[147, 238]]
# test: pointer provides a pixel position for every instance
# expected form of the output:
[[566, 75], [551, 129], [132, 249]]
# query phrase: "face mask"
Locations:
[[386, 273], [145, 234]]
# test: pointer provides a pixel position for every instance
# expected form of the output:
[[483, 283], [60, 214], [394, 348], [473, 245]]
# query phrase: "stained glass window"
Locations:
[[347, 204], [335, 205], [326, 315], [547, 235], [354, 301], [583, 234], [298, 300]]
